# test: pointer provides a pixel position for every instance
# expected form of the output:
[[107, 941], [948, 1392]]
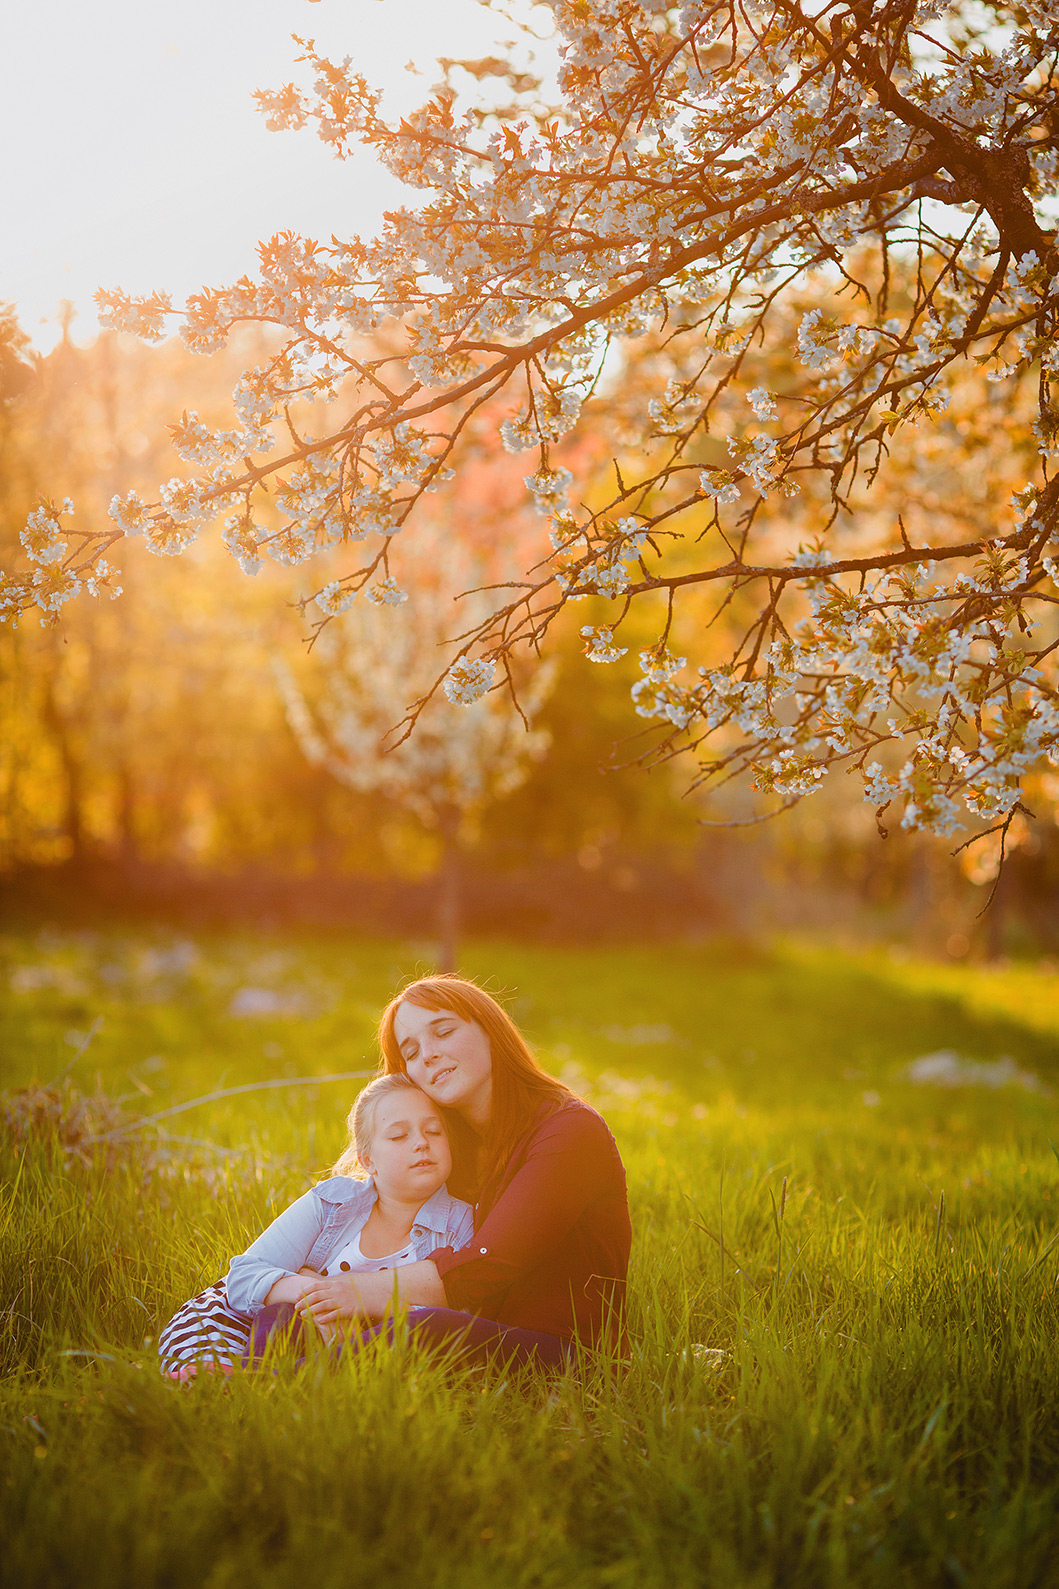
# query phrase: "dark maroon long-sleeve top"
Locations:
[[552, 1235]]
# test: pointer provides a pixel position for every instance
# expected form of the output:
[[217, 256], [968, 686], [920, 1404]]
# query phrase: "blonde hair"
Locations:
[[360, 1122], [520, 1086]]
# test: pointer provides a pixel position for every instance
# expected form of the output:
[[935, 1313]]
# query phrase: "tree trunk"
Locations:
[[449, 893], [922, 897], [128, 848], [72, 821], [997, 914]]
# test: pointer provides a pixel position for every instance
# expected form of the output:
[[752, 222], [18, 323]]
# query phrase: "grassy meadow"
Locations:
[[874, 1256]]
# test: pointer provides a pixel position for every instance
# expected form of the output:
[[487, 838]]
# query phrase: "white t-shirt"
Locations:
[[350, 1260]]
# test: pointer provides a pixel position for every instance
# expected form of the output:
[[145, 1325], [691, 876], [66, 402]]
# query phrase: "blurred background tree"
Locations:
[[370, 666]]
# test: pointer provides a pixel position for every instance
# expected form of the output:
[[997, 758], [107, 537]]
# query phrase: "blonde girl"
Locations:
[[384, 1206]]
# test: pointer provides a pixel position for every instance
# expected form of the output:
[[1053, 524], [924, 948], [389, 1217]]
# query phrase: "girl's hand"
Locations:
[[372, 1293], [330, 1298]]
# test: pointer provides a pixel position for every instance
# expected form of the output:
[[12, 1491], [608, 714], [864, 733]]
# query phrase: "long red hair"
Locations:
[[520, 1086]]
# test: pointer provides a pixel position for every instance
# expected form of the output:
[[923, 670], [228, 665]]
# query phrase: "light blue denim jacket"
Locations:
[[319, 1224]]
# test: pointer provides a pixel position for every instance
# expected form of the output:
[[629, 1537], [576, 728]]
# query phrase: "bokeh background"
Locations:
[[151, 760]]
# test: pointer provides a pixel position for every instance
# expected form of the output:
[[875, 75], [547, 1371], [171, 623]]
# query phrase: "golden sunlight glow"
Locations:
[[137, 157]]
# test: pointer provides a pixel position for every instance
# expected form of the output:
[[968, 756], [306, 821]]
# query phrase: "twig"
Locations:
[[168, 1139], [998, 827], [81, 1047], [226, 1092], [1003, 828]]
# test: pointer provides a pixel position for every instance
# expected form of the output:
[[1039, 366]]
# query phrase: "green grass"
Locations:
[[887, 1414]]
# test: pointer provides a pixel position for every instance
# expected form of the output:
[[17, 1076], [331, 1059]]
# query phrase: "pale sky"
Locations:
[[135, 157]]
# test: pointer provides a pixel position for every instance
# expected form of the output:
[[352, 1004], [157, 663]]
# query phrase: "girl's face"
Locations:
[[409, 1156], [448, 1057]]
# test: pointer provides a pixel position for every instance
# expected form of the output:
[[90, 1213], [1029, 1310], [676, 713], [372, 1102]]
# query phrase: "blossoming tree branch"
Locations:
[[790, 253]]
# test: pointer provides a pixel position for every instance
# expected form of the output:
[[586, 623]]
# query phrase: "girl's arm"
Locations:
[[275, 1257], [371, 1296], [291, 1288]]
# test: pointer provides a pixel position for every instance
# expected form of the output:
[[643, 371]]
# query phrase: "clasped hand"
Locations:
[[332, 1298]]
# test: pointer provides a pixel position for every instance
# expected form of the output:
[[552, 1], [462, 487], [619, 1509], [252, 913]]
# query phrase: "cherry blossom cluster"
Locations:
[[64, 562], [926, 687]]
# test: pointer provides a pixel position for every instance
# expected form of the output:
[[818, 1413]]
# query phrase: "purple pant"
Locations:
[[462, 1335]]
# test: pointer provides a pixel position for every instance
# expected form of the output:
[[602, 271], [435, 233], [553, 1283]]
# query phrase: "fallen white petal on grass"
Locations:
[[947, 1068], [256, 1002], [639, 1036], [39, 978], [177, 959]]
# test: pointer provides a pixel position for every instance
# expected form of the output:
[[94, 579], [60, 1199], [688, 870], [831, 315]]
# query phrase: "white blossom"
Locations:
[[599, 645], [42, 537], [129, 513], [762, 402], [335, 598], [469, 679], [386, 593]]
